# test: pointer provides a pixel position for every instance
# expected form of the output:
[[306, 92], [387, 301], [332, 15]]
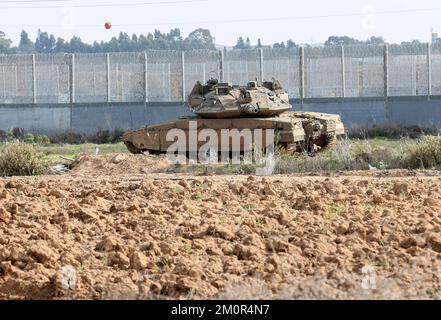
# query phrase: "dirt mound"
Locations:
[[87, 236], [117, 164]]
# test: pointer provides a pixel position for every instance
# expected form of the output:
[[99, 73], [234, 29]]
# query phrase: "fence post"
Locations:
[[386, 70], [146, 79], [34, 81], [108, 77], [183, 76], [429, 71], [221, 65], [343, 73], [72, 78], [261, 74], [302, 75]]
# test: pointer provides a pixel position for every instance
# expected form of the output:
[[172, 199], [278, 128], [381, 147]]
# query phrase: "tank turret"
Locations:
[[223, 100]]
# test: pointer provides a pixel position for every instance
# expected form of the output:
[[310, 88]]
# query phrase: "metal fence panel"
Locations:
[[90, 78], [283, 65], [364, 71], [200, 65], [164, 75], [436, 68], [323, 72], [16, 79], [169, 77], [52, 75], [242, 66], [408, 70], [126, 77]]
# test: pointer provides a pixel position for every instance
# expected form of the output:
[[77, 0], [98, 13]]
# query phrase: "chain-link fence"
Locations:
[[16, 84], [364, 71], [168, 76]]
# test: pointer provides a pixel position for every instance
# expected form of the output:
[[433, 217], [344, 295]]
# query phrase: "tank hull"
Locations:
[[293, 131]]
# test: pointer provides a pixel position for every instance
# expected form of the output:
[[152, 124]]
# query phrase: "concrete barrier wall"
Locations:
[[49, 119], [89, 118]]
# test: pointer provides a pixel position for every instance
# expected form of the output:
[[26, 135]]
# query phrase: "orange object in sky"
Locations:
[[107, 25]]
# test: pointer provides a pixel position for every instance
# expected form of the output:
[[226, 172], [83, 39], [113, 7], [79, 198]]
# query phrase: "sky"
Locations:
[[304, 21]]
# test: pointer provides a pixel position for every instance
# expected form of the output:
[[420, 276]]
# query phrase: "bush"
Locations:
[[17, 133], [21, 159], [68, 137], [100, 137], [3, 136], [106, 136], [391, 132], [28, 138], [41, 139], [425, 153]]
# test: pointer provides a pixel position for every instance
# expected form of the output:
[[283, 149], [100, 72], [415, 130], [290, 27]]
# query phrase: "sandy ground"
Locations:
[[116, 228]]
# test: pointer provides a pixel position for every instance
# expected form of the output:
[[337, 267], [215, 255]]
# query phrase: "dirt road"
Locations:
[[115, 229]]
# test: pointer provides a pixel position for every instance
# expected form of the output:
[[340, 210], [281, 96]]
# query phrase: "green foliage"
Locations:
[[21, 159], [173, 40], [425, 154]]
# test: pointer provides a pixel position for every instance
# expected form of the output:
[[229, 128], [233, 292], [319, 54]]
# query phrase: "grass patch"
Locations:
[[349, 155], [332, 211], [249, 207], [68, 150]]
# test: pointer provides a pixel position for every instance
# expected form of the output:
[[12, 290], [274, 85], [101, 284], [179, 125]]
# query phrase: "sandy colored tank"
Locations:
[[258, 105]]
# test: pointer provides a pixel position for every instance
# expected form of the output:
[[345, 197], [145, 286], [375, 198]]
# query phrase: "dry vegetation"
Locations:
[[21, 159]]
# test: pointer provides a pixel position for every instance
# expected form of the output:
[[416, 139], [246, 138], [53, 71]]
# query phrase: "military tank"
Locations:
[[258, 105]]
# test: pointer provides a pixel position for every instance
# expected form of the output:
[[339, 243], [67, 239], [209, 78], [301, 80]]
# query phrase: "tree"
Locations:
[[259, 43], [61, 45], [375, 40], [200, 39], [290, 44], [341, 40], [26, 45], [240, 44], [279, 45], [45, 43], [77, 45], [248, 43], [5, 44]]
